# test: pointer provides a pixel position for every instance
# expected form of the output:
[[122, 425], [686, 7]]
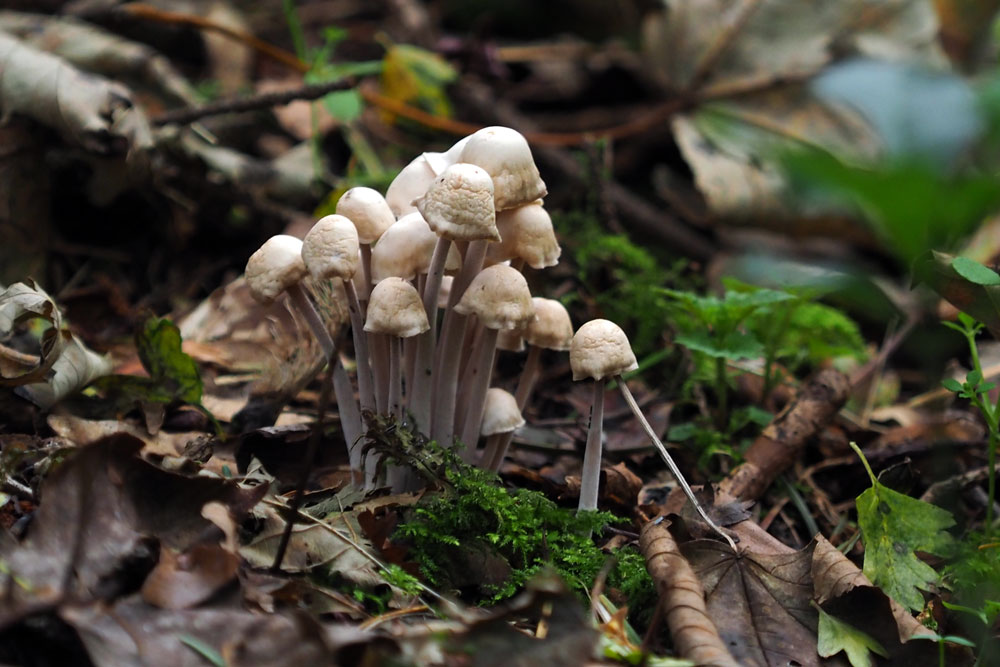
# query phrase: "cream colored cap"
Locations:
[[411, 182], [501, 414], [395, 308], [505, 155], [458, 206], [369, 212], [551, 328], [600, 349], [406, 248], [330, 249], [499, 297], [526, 233], [276, 266]]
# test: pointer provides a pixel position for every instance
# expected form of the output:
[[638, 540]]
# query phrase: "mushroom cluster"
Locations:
[[454, 233]]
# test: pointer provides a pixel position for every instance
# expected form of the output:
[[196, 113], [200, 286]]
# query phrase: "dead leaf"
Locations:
[[82, 431], [101, 513], [185, 580]]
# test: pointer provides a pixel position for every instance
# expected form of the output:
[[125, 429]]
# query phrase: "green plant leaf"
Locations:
[[736, 345], [344, 105], [975, 272], [836, 636], [981, 302], [951, 384], [417, 77], [159, 347], [895, 527]]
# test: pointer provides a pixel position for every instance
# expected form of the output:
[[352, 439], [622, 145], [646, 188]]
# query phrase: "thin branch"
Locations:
[[252, 103]]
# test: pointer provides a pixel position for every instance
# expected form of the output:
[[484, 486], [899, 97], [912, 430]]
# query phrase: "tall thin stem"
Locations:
[[669, 459], [590, 478], [482, 369]]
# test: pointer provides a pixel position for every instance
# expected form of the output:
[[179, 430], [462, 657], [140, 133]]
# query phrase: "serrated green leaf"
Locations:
[[736, 345], [835, 636], [894, 527], [975, 272]]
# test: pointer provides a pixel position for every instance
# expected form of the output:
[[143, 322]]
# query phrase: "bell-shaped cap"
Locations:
[[551, 328], [499, 297], [501, 414], [330, 249], [458, 206], [276, 266], [525, 233], [411, 182], [369, 212], [505, 155], [600, 349], [441, 161], [395, 308], [406, 248]]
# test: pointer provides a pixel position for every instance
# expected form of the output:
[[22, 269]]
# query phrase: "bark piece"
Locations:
[[779, 445]]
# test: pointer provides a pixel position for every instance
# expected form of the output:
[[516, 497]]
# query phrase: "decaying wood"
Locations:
[[682, 599], [779, 445]]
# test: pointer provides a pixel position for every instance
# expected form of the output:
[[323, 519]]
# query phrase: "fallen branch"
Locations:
[[682, 599], [777, 448]]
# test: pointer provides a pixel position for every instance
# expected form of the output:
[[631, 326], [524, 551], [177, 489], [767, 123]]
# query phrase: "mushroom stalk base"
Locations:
[[665, 455], [591, 475]]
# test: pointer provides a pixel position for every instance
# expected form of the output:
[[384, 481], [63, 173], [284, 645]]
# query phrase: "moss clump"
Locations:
[[475, 529]]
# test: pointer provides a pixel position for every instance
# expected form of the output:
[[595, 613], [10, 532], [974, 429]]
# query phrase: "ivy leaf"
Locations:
[[836, 636], [894, 527]]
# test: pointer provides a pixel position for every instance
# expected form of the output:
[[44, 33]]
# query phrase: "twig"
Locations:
[[252, 103], [307, 464]]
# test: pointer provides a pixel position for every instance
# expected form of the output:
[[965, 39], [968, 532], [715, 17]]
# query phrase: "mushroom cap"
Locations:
[[368, 210], [411, 182], [526, 233], [330, 249], [395, 308], [499, 297], [276, 266], [551, 328], [600, 349], [501, 414], [406, 248], [441, 161], [458, 205], [505, 155]]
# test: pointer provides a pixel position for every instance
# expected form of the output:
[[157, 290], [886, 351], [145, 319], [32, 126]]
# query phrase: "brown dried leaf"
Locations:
[[184, 580], [95, 532]]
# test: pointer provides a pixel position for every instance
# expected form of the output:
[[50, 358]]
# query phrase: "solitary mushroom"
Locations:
[[600, 350]]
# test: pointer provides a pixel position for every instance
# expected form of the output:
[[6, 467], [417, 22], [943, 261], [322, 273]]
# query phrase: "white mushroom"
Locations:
[[505, 155]]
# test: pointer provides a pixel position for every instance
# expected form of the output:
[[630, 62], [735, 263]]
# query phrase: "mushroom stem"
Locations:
[[491, 454], [302, 303], [668, 459], [366, 271], [591, 475], [350, 415], [423, 375], [529, 376], [395, 377], [450, 347], [366, 390], [380, 369], [482, 369]]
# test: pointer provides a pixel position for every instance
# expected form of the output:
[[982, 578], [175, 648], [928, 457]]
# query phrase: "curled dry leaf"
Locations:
[[682, 599], [88, 110], [186, 579]]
